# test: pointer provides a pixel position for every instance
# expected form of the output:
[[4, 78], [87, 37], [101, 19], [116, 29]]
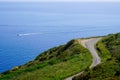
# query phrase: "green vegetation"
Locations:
[[55, 64], [103, 52], [109, 50], [112, 42]]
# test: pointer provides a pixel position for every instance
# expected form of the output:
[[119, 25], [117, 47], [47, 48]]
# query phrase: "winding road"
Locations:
[[89, 44]]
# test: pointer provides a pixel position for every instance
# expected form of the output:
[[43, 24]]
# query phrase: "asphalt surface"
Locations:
[[89, 44]]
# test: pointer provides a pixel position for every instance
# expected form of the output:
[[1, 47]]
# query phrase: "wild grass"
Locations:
[[103, 52], [58, 71]]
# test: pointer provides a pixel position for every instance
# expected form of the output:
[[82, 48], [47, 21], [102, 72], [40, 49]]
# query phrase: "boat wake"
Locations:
[[28, 34]]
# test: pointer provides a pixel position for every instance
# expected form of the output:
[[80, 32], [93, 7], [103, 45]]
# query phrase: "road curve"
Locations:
[[89, 44]]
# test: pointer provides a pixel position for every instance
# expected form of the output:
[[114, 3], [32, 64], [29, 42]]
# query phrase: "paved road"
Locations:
[[89, 44], [70, 78]]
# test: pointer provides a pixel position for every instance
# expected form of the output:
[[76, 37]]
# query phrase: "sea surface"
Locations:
[[27, 29]]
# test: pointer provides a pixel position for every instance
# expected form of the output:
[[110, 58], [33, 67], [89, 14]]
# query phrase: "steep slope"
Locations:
[[109, 50], [89, 44], [55, 64]]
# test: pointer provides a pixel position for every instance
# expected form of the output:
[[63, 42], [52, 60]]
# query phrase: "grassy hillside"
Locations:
[[55, 64], [109, 50]]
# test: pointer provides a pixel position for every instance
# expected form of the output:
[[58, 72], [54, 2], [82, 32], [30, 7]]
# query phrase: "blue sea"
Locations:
[[27, 29]]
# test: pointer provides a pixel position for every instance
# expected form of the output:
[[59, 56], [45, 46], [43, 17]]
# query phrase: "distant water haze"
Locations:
[[27, 29]]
